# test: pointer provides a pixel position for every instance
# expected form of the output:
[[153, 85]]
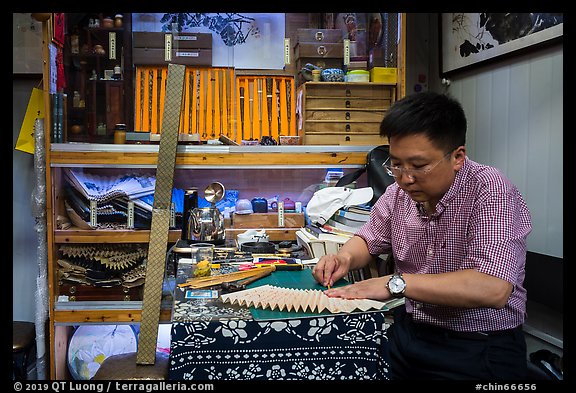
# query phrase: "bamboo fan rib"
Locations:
[[303, 300]]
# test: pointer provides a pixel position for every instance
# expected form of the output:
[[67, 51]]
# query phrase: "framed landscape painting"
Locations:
[[469, 39]]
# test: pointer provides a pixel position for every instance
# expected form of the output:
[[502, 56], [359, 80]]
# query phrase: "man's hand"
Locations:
[[372, 288], [330, 268]]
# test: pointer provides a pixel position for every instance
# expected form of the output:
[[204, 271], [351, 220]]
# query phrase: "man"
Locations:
[[457, 231]]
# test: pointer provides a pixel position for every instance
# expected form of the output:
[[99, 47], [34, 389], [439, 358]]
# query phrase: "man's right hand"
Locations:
[[330, 268]]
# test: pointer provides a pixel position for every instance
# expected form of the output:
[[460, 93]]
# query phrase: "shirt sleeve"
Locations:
[[498, 231]]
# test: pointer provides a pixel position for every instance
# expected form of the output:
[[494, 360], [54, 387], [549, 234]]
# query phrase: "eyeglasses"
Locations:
[[413, 173]]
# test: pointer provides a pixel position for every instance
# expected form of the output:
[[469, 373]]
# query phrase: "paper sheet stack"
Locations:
[[304, 300]]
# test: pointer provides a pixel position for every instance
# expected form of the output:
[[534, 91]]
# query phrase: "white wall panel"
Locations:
[[515, 122]]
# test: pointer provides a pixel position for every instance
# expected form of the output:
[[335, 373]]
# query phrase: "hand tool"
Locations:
[[190, 101], [269, 106], [242, 112], [197, 95], [278, 107], [222, 84], [150, 95], [251, 108], [158, 99], [213, 80], [230, 102], [288, 103], [142, 84], [259, 82], [205, 77]]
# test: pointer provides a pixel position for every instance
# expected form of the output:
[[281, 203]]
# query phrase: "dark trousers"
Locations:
[[424, 352]]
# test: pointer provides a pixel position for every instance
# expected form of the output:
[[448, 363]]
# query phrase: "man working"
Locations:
[[457, 231]]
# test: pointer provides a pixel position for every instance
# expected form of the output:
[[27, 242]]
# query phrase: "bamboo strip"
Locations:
[[203, 282]]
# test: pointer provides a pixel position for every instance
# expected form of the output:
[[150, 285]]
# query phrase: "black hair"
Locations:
[[438, 116]]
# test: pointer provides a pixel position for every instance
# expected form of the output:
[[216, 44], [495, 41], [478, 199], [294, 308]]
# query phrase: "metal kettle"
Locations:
[[206, 224]]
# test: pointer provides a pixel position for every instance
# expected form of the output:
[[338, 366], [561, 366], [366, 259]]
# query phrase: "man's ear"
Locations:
[[458, 156]]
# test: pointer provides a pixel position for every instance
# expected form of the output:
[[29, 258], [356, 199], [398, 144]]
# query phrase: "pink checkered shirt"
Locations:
[[481, 223]]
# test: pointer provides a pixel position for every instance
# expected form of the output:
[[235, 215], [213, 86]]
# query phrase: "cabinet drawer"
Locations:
[[344, 139], [347, 103], [350, 90], [335, 127], [81, 292], [321, 50], [344, 115], [319, 35]]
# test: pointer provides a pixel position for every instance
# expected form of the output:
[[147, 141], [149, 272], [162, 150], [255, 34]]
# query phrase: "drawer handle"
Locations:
[[319, 36], [321, 50], [348, 104], [347, 138], [347, 128], [347, 115], [348, 93]]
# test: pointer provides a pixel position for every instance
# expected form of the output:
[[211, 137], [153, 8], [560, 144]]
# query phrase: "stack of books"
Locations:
[[328, 238], [348, 220]]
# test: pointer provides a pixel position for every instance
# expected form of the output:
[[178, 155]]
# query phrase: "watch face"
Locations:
[[396, 285]]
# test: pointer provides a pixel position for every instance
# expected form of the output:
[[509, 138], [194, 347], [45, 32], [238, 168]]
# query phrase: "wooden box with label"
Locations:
[[338, 113], [150, 48]]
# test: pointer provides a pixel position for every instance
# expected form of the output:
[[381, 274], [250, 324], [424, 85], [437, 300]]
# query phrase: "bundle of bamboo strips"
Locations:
[[204, 282]]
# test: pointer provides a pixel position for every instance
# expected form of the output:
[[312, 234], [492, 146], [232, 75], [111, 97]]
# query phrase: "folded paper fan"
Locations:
[[289, 299]]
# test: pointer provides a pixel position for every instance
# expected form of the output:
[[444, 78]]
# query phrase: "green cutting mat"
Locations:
[[289, 279]]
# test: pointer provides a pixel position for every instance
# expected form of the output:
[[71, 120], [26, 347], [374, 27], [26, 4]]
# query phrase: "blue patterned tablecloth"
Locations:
[[335, 347]]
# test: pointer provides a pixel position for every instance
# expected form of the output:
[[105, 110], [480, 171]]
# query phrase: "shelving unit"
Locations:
[[253, 169], [97, 96]]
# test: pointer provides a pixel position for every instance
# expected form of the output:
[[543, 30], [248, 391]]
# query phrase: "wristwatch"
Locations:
[[396, 285]]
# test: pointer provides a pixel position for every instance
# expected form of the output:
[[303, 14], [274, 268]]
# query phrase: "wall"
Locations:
[[515, 114], [24, 237]]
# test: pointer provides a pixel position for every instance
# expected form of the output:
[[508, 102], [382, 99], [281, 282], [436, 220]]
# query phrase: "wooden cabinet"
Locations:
[[342, 113]]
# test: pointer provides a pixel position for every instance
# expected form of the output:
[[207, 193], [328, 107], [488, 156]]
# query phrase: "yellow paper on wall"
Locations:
[[34, 111]]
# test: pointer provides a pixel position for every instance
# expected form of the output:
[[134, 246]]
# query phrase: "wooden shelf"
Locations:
[[74, 155], [71, 236], [113, 316]]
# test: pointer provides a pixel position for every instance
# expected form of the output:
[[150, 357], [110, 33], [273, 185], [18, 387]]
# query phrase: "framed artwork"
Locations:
[[476, 38], [58, 28]]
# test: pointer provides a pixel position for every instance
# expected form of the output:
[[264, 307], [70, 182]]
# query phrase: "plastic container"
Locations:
[[358, 76]]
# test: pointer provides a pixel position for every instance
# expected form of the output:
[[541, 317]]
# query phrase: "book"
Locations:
[[348, 221], [332, 225], [323, 234], [314, 247], [353, 215], [331, 229]]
